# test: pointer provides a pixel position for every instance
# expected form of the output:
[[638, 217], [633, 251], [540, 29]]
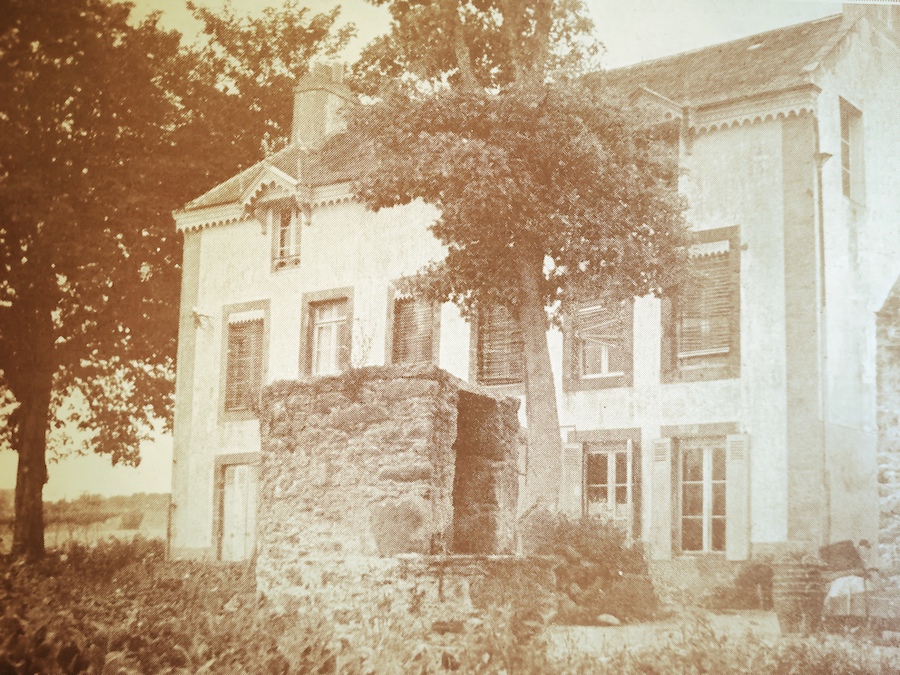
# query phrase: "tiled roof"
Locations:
[[310, 168], [770, 61]]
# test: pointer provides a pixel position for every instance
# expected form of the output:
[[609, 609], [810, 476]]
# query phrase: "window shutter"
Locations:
[[413, 331], [571, 483], [661, 500], [345, 343], [667, 343], [737, 498], [499, 347]]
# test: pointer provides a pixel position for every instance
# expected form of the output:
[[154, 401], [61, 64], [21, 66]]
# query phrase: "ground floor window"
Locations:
[[702, 493], [612, 483]]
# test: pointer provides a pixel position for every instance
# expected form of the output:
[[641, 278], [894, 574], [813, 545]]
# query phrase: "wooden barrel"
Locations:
[[798, 594]]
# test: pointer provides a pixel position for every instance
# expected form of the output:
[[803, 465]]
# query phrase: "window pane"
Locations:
[[718, 499], [618, 360], [718, 464], [597, 494], [621, 468], [621, 494], [692, 464], [591, 358], [691, 534], [718, 534], [597, 469], [328, 319], [692, 499]]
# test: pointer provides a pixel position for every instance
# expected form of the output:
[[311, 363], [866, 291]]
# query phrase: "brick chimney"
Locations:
[[318, 99]]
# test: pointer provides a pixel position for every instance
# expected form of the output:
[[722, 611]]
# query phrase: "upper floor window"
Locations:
[[413, 331], [329, 336], [852, 182], [702, 322], [499, 347], [286, 223], [598, 346], [244, 369]]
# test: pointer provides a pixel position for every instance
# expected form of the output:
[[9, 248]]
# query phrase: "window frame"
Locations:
[[395, 299], [285, 257], [718, 364], [573, 377], [226, 413], [851, 143], [511, 386], [708, 446], [609, 450], [310, 302]]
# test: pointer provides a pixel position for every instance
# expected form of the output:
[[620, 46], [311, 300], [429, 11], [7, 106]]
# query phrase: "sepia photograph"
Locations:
[[449, 336]]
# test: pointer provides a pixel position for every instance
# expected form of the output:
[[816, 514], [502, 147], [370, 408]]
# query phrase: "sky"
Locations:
[[631, 30]]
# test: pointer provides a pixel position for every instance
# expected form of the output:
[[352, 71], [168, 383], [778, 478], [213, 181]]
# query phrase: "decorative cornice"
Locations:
[[211, 216], [225, 214], [761, 108]]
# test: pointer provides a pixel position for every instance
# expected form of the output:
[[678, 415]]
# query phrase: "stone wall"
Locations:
[[365, 472]]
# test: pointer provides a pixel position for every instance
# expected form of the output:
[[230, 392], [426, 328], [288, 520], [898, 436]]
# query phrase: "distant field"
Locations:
[[91, 518]]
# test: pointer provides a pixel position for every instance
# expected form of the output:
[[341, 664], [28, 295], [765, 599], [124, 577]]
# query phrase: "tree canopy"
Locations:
[[549, 190], [105, 128]]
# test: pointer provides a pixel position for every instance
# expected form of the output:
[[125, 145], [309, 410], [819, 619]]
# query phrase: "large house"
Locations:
[[736, 419]]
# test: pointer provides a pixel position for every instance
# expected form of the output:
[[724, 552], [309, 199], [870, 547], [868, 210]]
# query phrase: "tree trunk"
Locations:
[[30, 441], [544, 441]]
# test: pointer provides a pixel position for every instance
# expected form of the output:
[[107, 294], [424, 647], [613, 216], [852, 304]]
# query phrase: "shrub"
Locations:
[[598, 571], [132, 520], [751, 588]]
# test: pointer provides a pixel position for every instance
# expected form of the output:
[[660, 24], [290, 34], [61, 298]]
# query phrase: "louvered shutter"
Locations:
[[571, 480], [704, 324], [737, 498], [661, 500], [413, 331], [499, 347], [243, 380]]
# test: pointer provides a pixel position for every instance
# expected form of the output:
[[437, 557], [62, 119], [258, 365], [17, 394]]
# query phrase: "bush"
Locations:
[[598, 572], [751, 588], [132, 520]]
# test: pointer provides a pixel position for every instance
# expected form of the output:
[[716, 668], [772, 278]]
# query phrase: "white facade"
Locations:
[[793, 420]]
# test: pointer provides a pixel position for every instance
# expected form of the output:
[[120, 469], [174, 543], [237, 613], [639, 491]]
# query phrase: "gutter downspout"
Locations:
[[820, 159]]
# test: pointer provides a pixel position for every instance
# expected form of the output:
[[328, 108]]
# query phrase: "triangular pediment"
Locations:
[[270, 183]]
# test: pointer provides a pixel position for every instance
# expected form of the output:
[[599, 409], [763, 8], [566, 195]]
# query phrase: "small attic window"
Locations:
[[285, 223], [755, 45]]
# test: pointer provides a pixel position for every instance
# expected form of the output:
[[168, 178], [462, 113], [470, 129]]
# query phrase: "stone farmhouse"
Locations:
[[740, 417]]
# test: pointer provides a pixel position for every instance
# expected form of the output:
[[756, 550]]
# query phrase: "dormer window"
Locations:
[[286, 222]]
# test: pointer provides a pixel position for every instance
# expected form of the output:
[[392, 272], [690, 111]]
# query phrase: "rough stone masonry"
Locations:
[[383, 483]]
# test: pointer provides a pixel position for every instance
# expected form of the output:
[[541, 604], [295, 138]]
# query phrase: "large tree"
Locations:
[[105, 128], [549, 190]]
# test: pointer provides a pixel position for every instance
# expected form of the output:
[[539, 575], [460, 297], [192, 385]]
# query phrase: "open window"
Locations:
[[598, 346]]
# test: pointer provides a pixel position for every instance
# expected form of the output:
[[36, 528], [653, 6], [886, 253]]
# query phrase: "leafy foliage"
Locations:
[[496, 39], [598, 572], [121, 608], [250, 66], [547, 189], [92, 164], [566, 170]]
